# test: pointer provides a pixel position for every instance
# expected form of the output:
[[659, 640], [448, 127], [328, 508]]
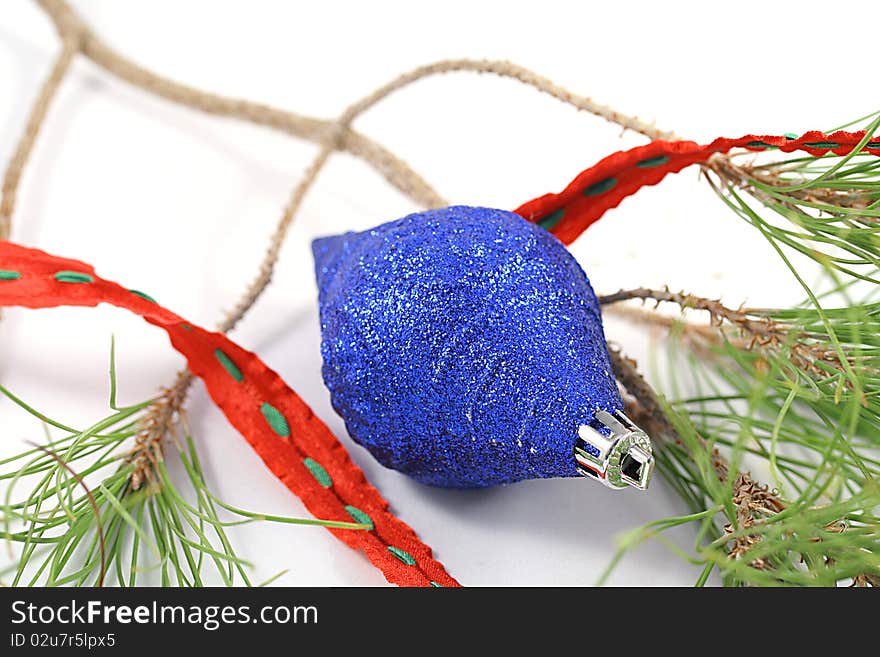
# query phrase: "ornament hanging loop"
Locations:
[[619, 458]]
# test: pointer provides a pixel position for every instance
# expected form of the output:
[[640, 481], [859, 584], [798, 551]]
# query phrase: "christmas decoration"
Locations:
[[464, 347], [792, 389]]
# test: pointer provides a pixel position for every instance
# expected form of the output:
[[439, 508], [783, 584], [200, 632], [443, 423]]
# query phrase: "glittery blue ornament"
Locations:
[[464, 347]]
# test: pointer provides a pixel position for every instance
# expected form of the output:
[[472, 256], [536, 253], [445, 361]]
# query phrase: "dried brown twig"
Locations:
[[756, 327], [718, 312]]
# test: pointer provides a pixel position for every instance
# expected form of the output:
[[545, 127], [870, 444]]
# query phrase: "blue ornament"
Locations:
[[464, 347]]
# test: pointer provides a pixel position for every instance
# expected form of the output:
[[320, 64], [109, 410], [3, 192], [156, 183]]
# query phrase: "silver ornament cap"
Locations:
[[622, 457]]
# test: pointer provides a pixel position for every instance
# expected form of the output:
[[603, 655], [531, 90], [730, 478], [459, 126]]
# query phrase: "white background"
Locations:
[[179, 204]]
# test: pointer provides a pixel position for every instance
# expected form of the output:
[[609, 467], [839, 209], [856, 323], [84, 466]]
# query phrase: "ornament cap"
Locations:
[[620, 457]]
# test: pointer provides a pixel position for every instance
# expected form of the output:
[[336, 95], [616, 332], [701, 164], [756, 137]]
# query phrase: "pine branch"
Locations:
[[795, 388], [761, 525], [114, 531], [158, 422], [758, 325]]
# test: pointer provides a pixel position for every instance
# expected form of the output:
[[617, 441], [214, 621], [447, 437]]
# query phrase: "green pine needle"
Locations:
[[178, 531], [797, 406]]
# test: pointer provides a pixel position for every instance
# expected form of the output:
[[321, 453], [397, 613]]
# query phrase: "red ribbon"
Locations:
[[293, 442], [296, 445], [604, 185]]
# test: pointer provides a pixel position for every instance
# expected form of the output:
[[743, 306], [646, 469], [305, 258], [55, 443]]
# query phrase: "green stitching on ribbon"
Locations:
[[275, 419], [873, 144], [551, 220], [143, 295], [790, 135], [403, 555], [229, 366], [186, 327], [759, 144], [318, 472], [359, 516], [436, 585], [821, 144], [652, 162], [600, 187], [73, 277], [6, 275]]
